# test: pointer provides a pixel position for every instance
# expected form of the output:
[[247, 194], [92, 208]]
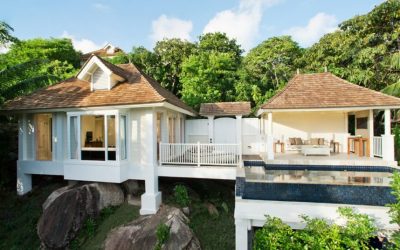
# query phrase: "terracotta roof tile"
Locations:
[[74, 93], [325, 90], [225, 108]]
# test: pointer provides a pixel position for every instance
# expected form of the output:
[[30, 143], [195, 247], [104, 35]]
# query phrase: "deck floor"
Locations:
[[333, 159]]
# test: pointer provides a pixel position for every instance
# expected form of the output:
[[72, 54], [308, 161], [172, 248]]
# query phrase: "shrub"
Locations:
[[162, 234], [317, 234], [181, 196], [90, 227], [394, 211]]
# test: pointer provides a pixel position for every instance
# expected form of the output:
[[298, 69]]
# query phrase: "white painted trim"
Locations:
[[261, 111], [255, 211], [217, 173], [111, 107], [89, 64]]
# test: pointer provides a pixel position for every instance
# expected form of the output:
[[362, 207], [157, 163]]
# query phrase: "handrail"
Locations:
[[198, 154], [377, 146]]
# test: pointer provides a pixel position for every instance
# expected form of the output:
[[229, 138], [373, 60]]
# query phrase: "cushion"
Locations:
[[298, 141], [314, 141], [292, 141], [321, 141]]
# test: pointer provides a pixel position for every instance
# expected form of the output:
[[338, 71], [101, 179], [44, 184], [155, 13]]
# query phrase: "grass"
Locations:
[[93, 237], [19, 216]]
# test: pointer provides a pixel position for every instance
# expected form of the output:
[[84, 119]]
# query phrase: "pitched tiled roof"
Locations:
[[325, 90], [225, 108], [138, 88]]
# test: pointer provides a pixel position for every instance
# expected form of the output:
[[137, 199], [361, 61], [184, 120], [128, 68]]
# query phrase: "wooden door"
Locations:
[[43, 135]]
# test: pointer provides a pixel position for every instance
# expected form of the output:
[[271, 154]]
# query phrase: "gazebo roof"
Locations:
[[325, 90], [225, 108]]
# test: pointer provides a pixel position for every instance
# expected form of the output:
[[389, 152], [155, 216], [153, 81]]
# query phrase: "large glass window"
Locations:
[[94, 137], [43, 137]]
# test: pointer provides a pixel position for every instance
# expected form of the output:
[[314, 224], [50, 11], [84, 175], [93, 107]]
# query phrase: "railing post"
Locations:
[[198, 154]]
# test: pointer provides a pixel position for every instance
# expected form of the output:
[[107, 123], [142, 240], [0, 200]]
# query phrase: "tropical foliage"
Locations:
[[317, 234], [395, 207], [35, 63]]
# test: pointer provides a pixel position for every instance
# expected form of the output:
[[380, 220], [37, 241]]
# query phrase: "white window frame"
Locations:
[[105, 113]]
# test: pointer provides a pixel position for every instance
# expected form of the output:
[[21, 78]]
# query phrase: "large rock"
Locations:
[[67, 208], [141, 233]]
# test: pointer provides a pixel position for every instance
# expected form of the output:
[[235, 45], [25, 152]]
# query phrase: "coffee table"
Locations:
[[315, 150]]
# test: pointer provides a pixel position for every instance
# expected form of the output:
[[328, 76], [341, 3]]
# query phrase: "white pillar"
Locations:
[[211, 129], [151, 199], [241, 234], [387, 139], [239, 133], [22, 137], [270, 138], [371, 132]]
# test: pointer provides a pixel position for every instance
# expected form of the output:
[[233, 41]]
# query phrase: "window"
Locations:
[[362, 123], [43, 137], [97, 137], [94, 144], [73, 137], [123, 137]]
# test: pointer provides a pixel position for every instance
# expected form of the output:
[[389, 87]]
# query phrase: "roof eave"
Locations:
[[346, 108]]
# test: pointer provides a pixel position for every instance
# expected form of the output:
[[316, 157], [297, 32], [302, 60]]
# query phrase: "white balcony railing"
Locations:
[[377, 146], [199, 154]]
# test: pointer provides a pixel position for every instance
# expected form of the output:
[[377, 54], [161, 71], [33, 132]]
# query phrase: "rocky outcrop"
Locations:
[[67, 208], [141, 233]]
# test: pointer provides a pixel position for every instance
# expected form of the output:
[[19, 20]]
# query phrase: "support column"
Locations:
[[151, 199], [22, 137], [24, 181], [387, 139], [211, 129], [239, 134], [241, 234], [371, 132], [270, 138]]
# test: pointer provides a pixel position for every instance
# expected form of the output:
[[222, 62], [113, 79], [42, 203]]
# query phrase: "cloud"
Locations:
[[242, 23], [84, 45], [100, 6], [170, 27], [317, 26], [5, 48]]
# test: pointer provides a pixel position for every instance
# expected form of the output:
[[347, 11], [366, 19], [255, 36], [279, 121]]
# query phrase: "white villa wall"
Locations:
[[251, 136], [196, 130], [328, 125]]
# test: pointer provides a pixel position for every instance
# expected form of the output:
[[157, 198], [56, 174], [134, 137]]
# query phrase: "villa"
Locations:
[[311, 149]]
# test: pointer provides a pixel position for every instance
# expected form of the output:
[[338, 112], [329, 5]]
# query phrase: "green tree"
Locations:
[[35, 63], [170, 54], [5, 34], [209, 75], [266, 68], [364, 48]]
